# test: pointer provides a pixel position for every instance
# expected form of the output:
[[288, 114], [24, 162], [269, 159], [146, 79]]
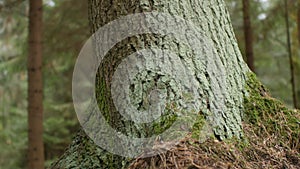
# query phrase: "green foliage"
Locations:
[[13, 139], [65, 30]]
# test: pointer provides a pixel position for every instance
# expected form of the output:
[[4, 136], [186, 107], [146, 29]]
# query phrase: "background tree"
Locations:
[[298, 20], [268, 19], [248, 35], [289, 49], [63, 35], [35, 87]]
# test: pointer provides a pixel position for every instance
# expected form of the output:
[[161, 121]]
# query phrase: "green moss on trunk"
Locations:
[[270, 116]]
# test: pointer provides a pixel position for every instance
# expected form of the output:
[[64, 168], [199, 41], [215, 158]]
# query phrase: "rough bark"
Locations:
[[248, 35], [212, 18], [35, 88]]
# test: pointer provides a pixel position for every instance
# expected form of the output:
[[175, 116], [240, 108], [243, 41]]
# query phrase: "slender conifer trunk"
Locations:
[[35, 87], [248, 35]]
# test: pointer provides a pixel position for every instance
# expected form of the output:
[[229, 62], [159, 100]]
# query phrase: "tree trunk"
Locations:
[[289, 50], [248, 35], [211, 18], [35, 88], [298, 20]]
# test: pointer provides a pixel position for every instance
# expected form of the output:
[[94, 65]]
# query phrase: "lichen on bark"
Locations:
[[84, 153], [212, 18]]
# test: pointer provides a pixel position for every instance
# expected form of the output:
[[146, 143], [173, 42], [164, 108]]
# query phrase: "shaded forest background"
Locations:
[[65, 31]]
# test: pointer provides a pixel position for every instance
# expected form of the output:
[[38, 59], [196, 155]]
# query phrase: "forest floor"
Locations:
[[256, 153]]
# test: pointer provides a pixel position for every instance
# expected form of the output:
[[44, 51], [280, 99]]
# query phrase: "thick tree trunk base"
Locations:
[[83, 153], [244, 98]]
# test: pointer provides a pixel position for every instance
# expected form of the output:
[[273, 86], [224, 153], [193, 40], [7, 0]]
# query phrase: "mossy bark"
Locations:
[[212, 18]]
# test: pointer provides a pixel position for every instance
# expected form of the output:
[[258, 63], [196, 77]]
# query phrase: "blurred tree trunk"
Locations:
[[289, 50], [35, 87], [298, 20], [248, 35], [298, 31], [212, 18]]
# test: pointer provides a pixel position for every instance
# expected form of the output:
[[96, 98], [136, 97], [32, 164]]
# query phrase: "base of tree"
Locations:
[[271, 140], [254, 152]]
